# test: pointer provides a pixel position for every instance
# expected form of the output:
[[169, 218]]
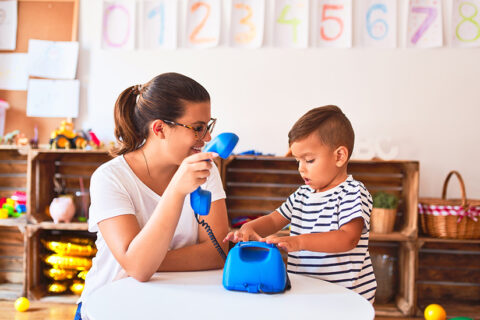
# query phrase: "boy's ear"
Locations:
[[341, 156]]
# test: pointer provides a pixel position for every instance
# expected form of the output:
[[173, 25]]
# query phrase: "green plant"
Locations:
[[385, 200]]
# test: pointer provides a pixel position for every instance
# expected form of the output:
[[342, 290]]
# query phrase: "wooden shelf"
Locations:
[[442, 240], [10, 291], [454, 309], [80, 226], [20, 222], [394, 236]]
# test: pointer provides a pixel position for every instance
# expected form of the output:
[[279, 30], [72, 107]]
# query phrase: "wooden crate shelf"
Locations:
[[68, 167], [37, 282], [258, 185]]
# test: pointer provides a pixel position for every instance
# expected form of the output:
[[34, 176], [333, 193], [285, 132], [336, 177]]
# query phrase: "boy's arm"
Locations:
[[258, 228], [342, 240]]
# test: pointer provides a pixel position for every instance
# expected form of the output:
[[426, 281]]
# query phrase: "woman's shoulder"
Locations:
[[116, 167]]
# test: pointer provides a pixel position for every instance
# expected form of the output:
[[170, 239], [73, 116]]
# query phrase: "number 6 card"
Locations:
[[377, 22]]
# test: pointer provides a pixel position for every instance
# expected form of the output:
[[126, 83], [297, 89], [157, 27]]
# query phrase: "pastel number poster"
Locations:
[[247, 23], [424, 26], [378, 23], [118, 25], [291, 23], [158, 24], [334, 22], [203, 23], [466, 23]]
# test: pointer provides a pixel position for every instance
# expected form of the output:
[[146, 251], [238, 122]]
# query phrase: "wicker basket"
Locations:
[[450, 218]]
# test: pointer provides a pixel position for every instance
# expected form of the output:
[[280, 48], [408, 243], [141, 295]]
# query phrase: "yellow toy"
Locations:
[[22, 304], [435, 312], [66, 138]]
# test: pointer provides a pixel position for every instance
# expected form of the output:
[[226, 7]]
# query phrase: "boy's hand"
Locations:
[[244, 234], [288, 243]]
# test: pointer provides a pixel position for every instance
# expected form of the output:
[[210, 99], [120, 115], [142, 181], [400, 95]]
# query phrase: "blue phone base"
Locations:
[[255, 267]]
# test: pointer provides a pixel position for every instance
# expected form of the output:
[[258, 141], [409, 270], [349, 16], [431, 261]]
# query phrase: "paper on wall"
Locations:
[[13, 71], [53, 98], [52, 59], [8, 24]]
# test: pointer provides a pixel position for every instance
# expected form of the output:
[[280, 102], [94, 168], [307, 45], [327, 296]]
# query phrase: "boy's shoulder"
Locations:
[[351, 185]]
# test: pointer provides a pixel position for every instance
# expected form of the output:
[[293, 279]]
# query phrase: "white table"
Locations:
[[201, 295]]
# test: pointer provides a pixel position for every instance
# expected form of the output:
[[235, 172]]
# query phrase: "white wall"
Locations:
[[427, 101]]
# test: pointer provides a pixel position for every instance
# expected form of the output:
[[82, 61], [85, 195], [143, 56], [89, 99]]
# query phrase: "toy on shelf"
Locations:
[[66, 138], [14, 206], [62, 209]]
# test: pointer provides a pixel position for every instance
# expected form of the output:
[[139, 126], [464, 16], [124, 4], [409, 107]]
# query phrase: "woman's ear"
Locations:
[[341, 156], [158, 128]]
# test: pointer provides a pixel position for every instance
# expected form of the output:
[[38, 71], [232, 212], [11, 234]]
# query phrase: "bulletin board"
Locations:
[[54, 20]]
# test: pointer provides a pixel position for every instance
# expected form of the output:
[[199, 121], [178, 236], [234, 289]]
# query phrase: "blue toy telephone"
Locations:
[[254, 267], [200, 199]]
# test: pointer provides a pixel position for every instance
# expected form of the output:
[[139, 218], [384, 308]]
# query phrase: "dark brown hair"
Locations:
[[329, 123], [163, 98]]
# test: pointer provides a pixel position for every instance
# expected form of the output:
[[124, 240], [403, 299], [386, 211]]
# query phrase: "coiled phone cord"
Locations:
[[212, 237]]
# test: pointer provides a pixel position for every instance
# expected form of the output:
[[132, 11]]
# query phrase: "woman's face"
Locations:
[[183, 142]]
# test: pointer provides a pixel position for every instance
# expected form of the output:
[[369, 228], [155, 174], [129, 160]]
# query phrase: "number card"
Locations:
[[378, 23], [424, 26], [203, 23], [8, 25], [247, 23], [466, 23], [334, 23], [118, 25], [291, 23], [158, 24]]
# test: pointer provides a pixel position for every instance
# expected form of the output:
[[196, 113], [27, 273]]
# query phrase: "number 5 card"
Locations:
[[424, 27], [334, 21], [377, 23]]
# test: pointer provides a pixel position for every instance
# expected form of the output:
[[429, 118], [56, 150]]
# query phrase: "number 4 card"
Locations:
[[377, 20], [466, 23], [334, 22], [424, 27], [291, 23]]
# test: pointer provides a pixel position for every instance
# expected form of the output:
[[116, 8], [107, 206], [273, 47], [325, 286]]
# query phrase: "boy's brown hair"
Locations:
[[329, 123]]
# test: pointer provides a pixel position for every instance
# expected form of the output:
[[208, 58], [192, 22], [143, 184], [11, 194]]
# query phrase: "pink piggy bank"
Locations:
[[62, 209]]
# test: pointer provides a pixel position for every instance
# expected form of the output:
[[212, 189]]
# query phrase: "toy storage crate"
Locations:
[[13, 177], [258, 185], [449, 275], [37, 282], [394, 268], [68, 167]]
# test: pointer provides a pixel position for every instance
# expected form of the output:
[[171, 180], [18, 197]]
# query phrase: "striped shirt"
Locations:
[[315, 212]]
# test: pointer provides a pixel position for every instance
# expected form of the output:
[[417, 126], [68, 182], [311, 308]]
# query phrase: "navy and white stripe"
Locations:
[[311, 212]]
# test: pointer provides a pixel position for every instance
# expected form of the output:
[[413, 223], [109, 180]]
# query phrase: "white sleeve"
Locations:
[[108, 197], [214, 184]]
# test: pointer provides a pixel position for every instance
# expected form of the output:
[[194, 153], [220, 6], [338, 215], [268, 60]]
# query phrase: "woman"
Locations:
[[140, 207]]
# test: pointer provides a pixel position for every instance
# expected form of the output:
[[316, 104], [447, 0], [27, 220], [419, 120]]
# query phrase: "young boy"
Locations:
[[329, 215]]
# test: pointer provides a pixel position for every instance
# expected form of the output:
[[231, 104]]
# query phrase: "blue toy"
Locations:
[[254, 267], [222, 144]]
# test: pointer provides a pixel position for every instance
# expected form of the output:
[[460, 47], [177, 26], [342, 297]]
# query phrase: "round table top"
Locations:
[[201, 295]]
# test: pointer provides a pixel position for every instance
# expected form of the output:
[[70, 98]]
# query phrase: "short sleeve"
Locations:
[[108, 197], [356, 203], [287, 207], [214, 184]]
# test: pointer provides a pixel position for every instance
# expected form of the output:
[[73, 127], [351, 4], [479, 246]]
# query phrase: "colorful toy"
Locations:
[[66, 138], [62, 209], [435, 312], [22, 304], [255, 267]]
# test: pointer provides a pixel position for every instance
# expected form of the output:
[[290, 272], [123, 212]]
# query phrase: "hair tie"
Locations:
[[137, 89]]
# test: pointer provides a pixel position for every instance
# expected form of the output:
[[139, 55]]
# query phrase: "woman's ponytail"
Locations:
[[129, 138]]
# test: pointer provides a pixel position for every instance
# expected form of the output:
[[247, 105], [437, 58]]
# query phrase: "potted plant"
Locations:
[[382, 219]]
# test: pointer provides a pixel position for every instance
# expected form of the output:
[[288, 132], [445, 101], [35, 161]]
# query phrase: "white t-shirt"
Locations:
[[115, 190]]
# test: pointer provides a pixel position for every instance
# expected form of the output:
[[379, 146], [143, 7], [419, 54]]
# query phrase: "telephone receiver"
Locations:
[[222, 144]]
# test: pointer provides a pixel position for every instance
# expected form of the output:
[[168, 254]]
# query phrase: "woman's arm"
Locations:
[[141, 251], [203, 255]]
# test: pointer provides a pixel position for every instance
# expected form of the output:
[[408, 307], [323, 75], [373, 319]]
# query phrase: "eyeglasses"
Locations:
[[200, 130]]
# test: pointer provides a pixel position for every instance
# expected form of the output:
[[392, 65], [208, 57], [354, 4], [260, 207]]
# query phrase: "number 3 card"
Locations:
[[424, 27], [246, 24], [377, 23], [334, 22]]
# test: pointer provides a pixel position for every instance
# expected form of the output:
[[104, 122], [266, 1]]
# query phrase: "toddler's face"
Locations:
[[316, 163]]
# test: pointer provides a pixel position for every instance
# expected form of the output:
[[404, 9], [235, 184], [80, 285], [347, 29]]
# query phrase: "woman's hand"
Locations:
[[244, 234], [192, 172]]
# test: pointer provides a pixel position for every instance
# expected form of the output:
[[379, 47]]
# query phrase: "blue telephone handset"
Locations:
[[222, 144]]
